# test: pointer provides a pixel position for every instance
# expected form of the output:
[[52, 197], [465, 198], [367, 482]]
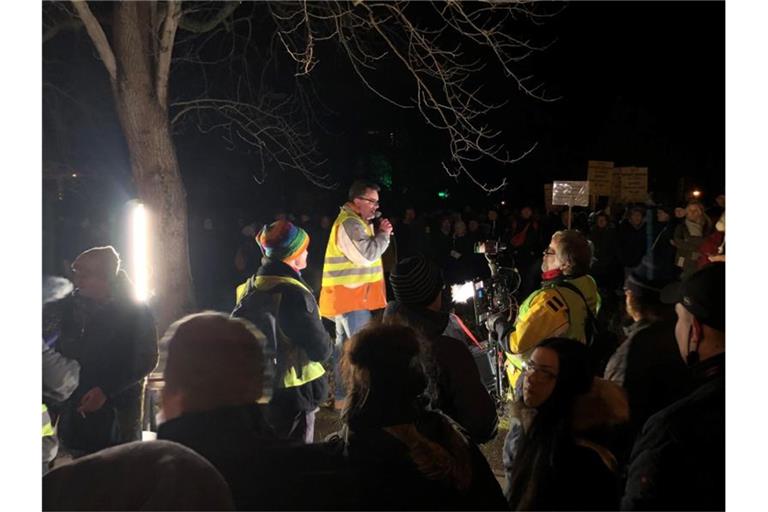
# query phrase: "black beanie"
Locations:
[[415, 281]]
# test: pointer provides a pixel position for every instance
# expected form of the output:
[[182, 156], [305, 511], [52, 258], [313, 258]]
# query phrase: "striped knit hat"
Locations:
[[415, 281], [281, 240]]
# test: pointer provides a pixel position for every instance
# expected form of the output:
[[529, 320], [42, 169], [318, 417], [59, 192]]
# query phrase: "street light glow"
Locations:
[[140, 252]]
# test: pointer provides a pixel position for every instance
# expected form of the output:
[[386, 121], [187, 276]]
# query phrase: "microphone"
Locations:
[[376, 220]]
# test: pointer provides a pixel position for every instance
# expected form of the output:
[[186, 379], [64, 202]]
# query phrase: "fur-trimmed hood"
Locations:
[[605, 406]]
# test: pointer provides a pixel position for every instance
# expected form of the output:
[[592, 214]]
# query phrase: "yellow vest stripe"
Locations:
[[352, 271], [338, 269], [47, 426], [311, 370]]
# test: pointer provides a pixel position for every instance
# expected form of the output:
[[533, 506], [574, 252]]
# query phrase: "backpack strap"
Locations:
[[592, 321]]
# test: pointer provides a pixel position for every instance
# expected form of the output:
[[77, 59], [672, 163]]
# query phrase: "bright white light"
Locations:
[[140, 253], [462, 292], [696, 193]]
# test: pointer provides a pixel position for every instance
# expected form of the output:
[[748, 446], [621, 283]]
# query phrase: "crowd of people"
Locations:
[[355, 310]]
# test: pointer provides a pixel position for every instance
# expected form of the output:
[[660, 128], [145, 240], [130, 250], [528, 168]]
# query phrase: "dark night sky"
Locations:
[[642, 83]]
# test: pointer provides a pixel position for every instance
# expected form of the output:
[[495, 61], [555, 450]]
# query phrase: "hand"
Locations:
[[92, 401], [385, 227], [498, 322]]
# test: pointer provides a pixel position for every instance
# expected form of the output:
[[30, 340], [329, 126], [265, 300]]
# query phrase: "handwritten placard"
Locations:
[[600, 177], [570, 193]]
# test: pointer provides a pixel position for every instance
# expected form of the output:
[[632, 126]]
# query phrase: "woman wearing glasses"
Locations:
[[555, 456]]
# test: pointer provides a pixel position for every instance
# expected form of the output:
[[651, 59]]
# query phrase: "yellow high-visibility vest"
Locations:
[[338, 269], [47, 426], [544, 312], [312, 369]]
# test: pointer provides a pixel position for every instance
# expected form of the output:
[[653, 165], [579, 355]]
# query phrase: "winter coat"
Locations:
[[459, 266], [152, 475], [631, 244], [649, 367], [583, 473], [688, 244], [461, 394], [239, 442], [115, 344], [604, 256], [660, 257], [424, 465], [298, 319], [678, 462]]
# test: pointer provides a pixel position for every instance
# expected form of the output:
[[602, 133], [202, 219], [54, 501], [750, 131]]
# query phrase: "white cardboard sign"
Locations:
[[570, 193]]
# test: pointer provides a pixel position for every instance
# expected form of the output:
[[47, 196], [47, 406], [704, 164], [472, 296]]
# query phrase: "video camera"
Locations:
[[495, 294], [492, 296]]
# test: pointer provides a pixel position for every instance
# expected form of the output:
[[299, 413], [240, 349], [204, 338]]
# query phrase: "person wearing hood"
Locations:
[[403, 455], [678, 461], [460, 393], [556, 456]]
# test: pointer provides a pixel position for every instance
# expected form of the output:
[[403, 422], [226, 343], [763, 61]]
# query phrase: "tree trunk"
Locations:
[[146, 127]]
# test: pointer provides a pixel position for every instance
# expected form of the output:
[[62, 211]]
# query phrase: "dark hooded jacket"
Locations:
[[460, 392]]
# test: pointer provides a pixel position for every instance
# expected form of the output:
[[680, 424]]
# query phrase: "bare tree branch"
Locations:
[[198, 27], [98, 37], [268, 127], [165, 50], [62, 26], [439, 48]]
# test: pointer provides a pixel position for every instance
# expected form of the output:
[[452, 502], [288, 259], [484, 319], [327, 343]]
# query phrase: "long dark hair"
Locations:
[[388, 389], [550, 428], [384, 372]]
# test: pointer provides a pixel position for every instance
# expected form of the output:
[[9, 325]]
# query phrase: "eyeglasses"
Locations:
[[548, 252], [372, 201], [529, 367]]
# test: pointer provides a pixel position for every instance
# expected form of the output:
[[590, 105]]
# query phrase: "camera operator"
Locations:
[[554, 310]]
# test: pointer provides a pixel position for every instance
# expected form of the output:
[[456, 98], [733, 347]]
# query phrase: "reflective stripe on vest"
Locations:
[[47, 426], [309, 371], [337, 268]]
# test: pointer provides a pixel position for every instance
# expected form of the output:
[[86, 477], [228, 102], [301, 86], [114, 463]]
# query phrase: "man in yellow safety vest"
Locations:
[[353, 275]]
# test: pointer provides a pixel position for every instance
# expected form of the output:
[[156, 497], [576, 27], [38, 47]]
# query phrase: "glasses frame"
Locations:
[[529, 367], [372, 201]]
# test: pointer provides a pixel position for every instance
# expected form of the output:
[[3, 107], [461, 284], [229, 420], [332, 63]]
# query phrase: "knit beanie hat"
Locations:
[[415, 281], [281, 240]]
